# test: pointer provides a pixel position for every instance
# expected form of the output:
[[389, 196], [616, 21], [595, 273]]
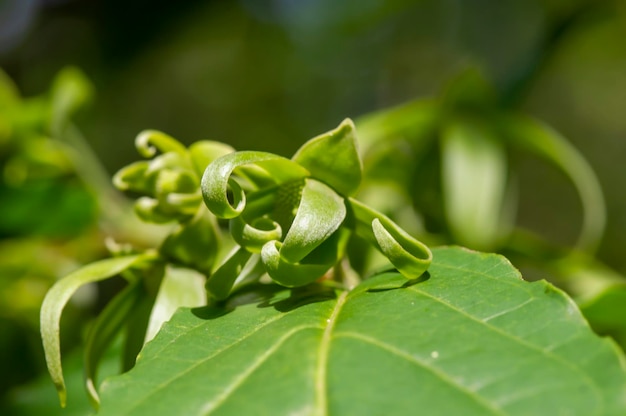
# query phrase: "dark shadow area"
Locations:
[[265, 296], [423, 278], [301, 296]]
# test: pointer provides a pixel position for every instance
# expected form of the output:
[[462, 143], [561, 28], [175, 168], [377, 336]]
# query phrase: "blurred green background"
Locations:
[[268, 75]]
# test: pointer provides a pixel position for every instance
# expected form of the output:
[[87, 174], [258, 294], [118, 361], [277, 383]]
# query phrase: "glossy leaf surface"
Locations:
[[470, 337]]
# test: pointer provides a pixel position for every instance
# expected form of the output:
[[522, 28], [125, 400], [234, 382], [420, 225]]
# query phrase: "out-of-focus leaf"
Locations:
[[606, 312], [471, 338], [474, 176], [71, 90], [58, 296], [333, 158], [69, 209], [39, 398], [414, 122], [537, 138]]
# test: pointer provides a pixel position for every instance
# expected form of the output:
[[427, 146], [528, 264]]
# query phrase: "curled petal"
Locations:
[[149, 141], [310, 268], [320, 213], [217, 180], [410, 256], [254, 235], [290, 274], [133, 178]]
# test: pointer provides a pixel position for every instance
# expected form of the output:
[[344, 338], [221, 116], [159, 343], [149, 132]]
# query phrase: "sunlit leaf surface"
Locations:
[[470, 337]]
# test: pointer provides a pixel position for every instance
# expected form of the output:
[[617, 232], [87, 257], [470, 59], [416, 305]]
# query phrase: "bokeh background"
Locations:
[[268, 75]]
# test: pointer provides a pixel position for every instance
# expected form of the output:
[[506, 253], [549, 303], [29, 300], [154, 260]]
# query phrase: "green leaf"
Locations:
[[71, 90], [333, 158], [469, 338], [474, 181], [58, 296], [540, 139]]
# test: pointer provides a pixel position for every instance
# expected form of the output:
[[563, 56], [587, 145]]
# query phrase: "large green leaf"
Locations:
[[470, 337]]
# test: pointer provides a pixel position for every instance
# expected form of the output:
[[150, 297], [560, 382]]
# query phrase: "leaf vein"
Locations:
[[322, 363], [439, 374], [547, 353]]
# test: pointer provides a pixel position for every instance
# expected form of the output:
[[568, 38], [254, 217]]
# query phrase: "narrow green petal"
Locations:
[[56, 299], [320, 213], [333, 158]]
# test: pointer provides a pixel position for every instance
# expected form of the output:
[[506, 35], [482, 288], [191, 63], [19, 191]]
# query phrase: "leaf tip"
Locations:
[[62, 393]]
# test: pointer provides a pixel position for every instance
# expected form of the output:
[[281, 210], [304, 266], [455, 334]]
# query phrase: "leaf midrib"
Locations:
[[322, 363]]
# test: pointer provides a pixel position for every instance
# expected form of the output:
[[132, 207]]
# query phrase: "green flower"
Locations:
[[292, 217], [169, 191]]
